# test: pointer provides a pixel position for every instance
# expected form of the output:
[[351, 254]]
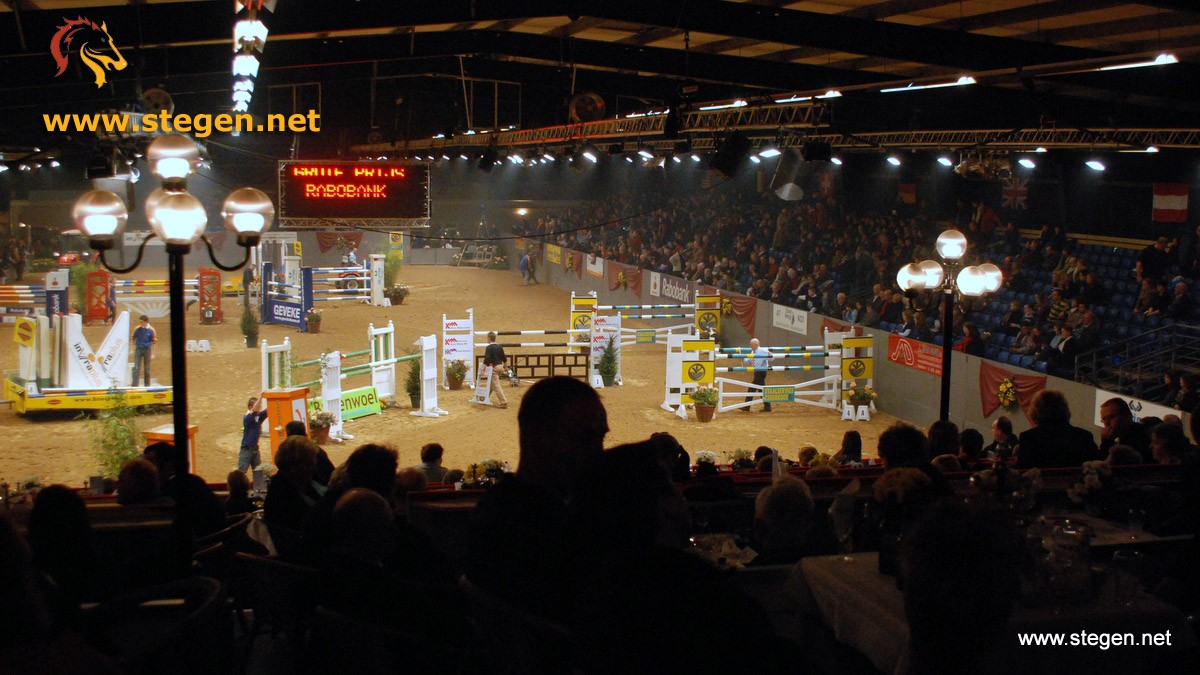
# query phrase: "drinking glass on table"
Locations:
[[1126, 571], [1136, 521]]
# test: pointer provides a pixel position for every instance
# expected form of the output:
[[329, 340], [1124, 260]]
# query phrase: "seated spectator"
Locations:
[[850, 454], [971, 342], [1118, 428], [821, 471], [1160, 300], [138, 484], [291, 495], [324, 466], [1053, 442], [1145, 297], [970, 450], [199, 508], [947, 464], [1124, 455], [519, 547], [1087, 335], [1024, 343], [60, 535], [943, 438], [1188, 397], [431, 462], [407, 480], [1181, 305], [766, 464], [1004, 441], [807, 454], [1010, 324], [783, 519], [953, 619], [710, 486], [1168, 444], [238, 501], [762, 451], [1170, 389]]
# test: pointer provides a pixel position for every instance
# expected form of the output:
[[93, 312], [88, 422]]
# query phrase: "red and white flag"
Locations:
[[1170, 202]]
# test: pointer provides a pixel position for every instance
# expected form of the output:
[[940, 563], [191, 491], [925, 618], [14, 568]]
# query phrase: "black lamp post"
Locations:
[[950, 281], [179, 219]]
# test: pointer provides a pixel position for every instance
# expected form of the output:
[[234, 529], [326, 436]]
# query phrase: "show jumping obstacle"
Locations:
[[691, 363], [278, 369], [149, 296], [287, 302]]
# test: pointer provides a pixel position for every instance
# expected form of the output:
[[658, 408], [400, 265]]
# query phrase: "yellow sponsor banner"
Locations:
[[553, 254], [709, 300], [81, 400], [581, 320], [395, 240], [697, 372], [583, 303], [708, 320], [858, 342], [863, 368], [25, 331], [297, 249], [699, 345]]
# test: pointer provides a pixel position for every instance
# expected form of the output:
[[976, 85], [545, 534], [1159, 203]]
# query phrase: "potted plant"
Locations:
[[313, 318], [706, 399], [456, 372], [115, 438], [396, 294], [741, 460], [319, 424], [412, 382], [607, 365], [249, 325]]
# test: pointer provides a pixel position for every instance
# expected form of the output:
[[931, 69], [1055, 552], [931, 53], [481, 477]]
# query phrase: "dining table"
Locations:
[[865, 610]]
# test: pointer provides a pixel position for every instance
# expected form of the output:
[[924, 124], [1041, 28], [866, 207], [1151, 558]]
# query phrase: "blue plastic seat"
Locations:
[[1040, 366], [1026, 361]]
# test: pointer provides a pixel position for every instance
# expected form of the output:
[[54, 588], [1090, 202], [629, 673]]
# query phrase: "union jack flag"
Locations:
[[1015, 193]]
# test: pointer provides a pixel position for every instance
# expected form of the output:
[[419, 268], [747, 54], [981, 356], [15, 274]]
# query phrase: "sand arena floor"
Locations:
[[56, 448]]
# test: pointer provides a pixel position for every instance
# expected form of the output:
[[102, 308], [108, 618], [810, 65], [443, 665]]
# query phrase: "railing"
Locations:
[[1137, 363]]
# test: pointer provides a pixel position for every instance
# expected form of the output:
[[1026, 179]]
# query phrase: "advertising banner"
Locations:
[[920, 356], [789, 319], [553, 254]]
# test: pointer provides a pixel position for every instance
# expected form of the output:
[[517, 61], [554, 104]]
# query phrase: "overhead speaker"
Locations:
[[786, 181], [585, 107], [489, 159], [731, 155], [817, 152]]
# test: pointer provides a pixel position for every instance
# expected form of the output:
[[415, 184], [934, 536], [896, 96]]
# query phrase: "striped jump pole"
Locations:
[[678, 306], [565, 331], [526, 344], [655, 316], [788, 355], [782, 350], [752, 369]]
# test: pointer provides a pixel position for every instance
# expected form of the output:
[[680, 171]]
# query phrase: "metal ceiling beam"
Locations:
[[1043, 10], [1150, 22]]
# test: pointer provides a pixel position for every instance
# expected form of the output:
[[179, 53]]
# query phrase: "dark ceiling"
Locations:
[[387, 70]]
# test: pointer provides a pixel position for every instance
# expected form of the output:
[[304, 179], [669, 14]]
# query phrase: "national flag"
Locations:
[[1015, 194], [1170, 203], [908, 193]]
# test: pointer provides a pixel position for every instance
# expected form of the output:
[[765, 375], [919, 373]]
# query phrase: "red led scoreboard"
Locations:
[[339, 189]]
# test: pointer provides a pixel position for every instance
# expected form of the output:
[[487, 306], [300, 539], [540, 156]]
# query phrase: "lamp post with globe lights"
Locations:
[[953, 281], [178, 219]]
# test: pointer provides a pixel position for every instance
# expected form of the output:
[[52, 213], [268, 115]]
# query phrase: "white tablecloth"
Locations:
[[865, 610]]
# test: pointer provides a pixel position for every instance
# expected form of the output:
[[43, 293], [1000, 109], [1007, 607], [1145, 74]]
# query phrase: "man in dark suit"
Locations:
[[1053, 442]]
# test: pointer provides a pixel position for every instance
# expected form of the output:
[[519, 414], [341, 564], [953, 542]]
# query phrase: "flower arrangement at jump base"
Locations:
[[705, 399], [397, 294], [1006, 393], [456, 371], [863, 395], [741, 460], [313, 317], [208, 314], [706, 457], [319, 425]]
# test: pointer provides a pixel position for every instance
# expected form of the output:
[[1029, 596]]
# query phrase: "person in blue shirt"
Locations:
[[248, 456], [144, 339], [760, 360]]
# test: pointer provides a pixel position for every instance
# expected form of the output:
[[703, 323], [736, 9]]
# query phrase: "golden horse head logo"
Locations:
[[96, 47]]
